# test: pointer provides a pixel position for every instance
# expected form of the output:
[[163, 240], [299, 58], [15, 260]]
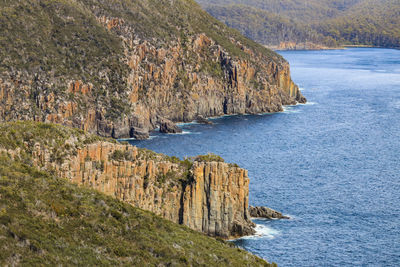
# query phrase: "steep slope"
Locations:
[[304, 23], [203, 193], [370, 22], [47, 221], [310, 10], [267, 27], [119, 68]]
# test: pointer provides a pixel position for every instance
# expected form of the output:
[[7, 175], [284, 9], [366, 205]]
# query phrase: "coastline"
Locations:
[[343, 47], [179, 124]]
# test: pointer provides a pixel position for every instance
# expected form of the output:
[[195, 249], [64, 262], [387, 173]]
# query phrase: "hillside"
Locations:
[[45, 220], [203, 193], [120, 68], [326, 23], [267, 27]]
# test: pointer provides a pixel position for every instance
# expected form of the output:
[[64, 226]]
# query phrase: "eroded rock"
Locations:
[[210, 197], [202, 120], [161, 81], [264, 212], [167, 126]]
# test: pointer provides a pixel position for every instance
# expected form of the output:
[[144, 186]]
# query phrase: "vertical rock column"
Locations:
[[216, 200], [212, 200]]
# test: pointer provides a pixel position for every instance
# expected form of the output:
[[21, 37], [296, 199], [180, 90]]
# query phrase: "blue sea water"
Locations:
[[333, 164]]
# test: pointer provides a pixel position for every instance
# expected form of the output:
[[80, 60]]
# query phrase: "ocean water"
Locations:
[[333, 164]]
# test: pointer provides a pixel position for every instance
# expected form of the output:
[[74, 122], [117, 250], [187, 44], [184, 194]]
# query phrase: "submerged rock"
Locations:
[[264, 212]]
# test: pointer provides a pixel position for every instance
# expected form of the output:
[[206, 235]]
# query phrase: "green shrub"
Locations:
[[120, 155], [209, 158]]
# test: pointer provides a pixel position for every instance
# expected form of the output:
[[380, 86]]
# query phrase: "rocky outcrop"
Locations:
[[188, 75], [216, 200], [167, 126], [203, 120], [211, 197], [264, 212]]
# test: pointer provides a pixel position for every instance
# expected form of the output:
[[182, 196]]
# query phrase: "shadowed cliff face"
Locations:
[[130, 87], [210, 197]]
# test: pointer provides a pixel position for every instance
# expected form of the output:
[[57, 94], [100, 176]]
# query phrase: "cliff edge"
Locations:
[[45, 221], [203, 193], [120, 68]]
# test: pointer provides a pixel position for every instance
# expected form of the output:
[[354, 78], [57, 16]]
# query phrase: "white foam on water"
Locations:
[[291, 217], [134, 139], [126, 139], [308, 104], [187, 123], [289, 109], [263, 231], [222, 116], [396, 104], [184, 133]]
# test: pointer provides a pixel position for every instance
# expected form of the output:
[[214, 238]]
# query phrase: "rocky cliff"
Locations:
[[45, 221], [203, 193], [120, 68]]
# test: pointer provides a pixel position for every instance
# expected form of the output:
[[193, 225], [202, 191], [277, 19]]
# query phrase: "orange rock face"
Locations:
[[187, 77], [210, 197], [216, 202]]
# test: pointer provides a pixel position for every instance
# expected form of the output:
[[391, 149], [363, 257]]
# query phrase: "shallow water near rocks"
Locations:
[[333, 164]]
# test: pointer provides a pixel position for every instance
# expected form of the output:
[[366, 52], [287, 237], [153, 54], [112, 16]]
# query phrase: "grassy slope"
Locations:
[[373, 22], [45, 220], [52, 42], [65, 38]]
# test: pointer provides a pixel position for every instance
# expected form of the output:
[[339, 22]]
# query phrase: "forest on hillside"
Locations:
[[327, 22]]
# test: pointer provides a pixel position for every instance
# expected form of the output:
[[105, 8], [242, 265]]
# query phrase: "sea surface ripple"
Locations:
[[333, 164]]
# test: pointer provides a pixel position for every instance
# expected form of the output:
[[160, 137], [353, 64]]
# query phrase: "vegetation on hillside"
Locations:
[[266, 27], [23, 136], [75, 62], [331, 23], [45, 220], [66, 38]]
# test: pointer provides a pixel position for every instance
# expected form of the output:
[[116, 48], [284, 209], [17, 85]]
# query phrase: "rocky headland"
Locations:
[[76, 72], [203, 193], [131, 74], [45, 218]]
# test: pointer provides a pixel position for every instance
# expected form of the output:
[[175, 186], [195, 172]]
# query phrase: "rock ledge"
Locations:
[[264, 212]]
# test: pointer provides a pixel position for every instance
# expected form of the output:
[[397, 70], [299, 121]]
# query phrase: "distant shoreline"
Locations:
[[277, 48]]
